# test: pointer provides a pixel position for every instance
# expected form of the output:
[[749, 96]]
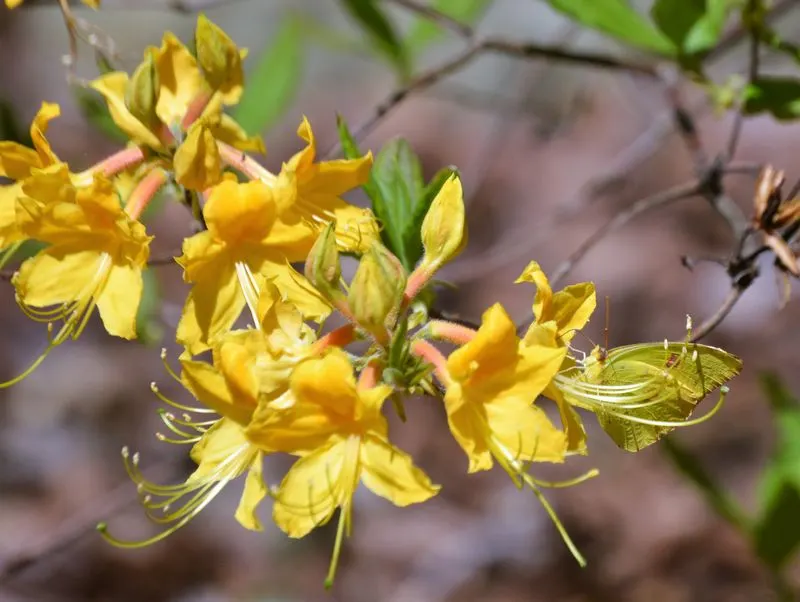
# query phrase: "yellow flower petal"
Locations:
[[211, 308], [209, 387], [524, 432], [468, 426], [118, 302], [17, 160], [570, 307], [255, 490], [296, 429], [46, 113], [238, 213], [493, 350], [391, 474], [224, 440], [197, 162], [296, 289], [312, 490], [180, 80], [112, 86], [57, 275], [328, 383], [9, 230]]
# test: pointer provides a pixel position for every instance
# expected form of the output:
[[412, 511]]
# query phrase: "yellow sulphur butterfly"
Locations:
[[642, 392]]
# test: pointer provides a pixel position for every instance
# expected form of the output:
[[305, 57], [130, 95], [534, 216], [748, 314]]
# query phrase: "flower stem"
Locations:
[[426, 351], [196, 108], [416, 282], [116, 163], [451, 332], [370, 376], [340, 337], [144, 192], [244, 163]]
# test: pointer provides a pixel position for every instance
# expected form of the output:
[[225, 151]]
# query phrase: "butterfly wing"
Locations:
[[642, 392]]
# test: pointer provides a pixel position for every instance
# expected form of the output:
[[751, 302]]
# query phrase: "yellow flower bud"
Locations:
[[444, 227], [220, 59], [197, 162], [322, 266], [142, 91], [376, 291]]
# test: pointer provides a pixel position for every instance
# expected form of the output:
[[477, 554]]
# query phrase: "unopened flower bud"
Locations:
[[376, 291], [444, 228], [322, 267], [141, 94], [220, 59]]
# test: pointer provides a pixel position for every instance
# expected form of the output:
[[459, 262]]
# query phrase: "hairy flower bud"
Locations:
[[444, 227], [220, 59], [322, 267], [141, 94], [376, 291]]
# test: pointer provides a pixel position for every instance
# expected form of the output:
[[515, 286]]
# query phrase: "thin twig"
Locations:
[[752, 76], [524, 50], [676, 193]]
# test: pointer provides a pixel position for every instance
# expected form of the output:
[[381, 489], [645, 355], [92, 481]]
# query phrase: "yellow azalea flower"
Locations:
[[558, 316], [338, 429], [311, 192], [95, 256], [16, 163], [494, 380], [183, 97], [221, 262]]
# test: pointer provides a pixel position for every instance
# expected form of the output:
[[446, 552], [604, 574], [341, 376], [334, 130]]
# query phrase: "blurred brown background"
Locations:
[[534, 142]]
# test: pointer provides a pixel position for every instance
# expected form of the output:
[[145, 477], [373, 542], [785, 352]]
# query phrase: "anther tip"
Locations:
[[101, 527]]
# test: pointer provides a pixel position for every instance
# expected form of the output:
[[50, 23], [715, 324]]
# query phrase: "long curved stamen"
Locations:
[[670, 424], [8, 253], [554, 518], [75, 314], [157, 392], [202, 492]]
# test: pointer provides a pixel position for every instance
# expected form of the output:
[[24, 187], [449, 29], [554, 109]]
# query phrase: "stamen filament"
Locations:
[[337, 547]]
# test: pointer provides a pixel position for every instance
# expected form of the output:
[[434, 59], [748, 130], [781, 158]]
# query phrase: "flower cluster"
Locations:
[[278, 385]]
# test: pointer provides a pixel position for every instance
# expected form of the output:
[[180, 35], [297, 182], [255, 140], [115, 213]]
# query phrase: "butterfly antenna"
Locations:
[[606, 329]]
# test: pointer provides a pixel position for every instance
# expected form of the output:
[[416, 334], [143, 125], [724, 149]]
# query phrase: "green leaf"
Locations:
[[273, 83], [692, 25], [692, 469], [398, 194], [397, 174], [777, 532], [779, 96], [148, 327], [424, 32], [95, 110], [617, 19], [380, 31]]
